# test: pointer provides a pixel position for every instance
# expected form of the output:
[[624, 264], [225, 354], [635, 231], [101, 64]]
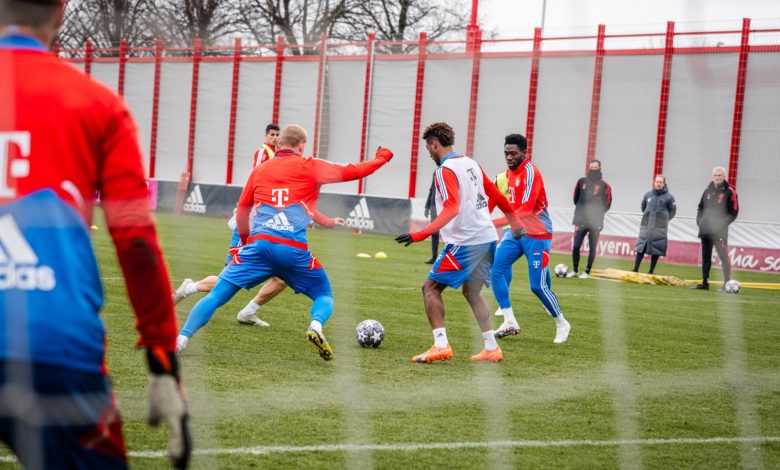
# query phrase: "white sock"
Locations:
[[509, 315], [559, 320], [181, 343], [490, 340], [191, 288], [316, 326], [440, 338], [251, 308]]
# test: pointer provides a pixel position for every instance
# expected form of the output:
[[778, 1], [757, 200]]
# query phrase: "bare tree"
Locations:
[[179, 22], [105, 23]]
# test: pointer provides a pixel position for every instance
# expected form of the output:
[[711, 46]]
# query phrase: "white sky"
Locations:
[[514, 18]]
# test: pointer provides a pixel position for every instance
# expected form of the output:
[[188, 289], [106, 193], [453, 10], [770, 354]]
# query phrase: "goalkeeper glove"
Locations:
[[166, 402]]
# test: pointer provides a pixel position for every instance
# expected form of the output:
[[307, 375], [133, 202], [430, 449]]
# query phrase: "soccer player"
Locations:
[[463, 191], [268, 148], [283, 193], [63, 138], [272, 288], [529, 200]]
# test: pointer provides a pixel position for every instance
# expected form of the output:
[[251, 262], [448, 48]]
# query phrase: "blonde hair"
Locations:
[[292, 136], [721, 169]]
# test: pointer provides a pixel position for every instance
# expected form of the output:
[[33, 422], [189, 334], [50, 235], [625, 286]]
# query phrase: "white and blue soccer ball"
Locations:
[[732, 286], [561, 270], [369, 333]]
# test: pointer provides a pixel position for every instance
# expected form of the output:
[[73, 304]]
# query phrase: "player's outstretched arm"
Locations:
[[496, 197], [326, 221], [447, 187], [327, 172]]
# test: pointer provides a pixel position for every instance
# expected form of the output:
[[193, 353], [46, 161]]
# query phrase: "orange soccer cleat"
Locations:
[[494, 355], [434, 354]]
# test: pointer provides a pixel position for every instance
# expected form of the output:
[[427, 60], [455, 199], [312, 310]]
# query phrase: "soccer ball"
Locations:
[[369, 333], [732, 286], [561, 270]]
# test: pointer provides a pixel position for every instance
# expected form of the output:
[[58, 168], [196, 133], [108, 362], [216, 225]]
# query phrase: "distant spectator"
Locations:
[[658, 208], [718, 208], [430, 213], [592, 199]]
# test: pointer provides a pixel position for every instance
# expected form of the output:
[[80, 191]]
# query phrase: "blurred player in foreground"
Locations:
[[272, 288], [283, 194], [63, 138], [463, 192], [529, 200]]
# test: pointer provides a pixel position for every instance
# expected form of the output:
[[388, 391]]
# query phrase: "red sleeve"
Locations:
[[323, 220], [124, 197], [495, 197], [244, 207], [327, 172], [447, 187], [608, 196], [528, 199]]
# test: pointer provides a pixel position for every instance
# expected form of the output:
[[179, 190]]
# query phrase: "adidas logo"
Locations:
[[279, 222], [359, 217], [194, 202], [19, 267], [481, 202]]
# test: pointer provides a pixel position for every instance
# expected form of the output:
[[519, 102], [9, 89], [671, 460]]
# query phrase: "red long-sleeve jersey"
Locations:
[[61, 130], [528, 197]]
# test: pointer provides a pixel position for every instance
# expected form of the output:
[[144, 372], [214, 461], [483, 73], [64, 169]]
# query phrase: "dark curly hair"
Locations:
[[518, 140], [440, 131]]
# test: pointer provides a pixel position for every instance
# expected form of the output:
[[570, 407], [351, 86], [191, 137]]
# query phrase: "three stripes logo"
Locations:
[[279, 222], [194, 202], [359, 217], [19, 264]]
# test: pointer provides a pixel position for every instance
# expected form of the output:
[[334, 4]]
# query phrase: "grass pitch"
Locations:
[[652, 376]]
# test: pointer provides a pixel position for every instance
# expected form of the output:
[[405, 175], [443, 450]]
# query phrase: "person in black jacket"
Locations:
[[658, 208], [430, 212], [592, 199], [718, 208]]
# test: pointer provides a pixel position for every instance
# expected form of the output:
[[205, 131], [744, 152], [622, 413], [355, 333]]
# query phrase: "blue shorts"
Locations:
[[262, 259], [72, 422], [458, 264]]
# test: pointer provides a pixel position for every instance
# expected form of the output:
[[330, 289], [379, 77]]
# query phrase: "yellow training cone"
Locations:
[[380, 255], [363, 255]]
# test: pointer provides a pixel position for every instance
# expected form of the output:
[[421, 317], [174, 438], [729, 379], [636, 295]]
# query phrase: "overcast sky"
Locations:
[[512, 18]]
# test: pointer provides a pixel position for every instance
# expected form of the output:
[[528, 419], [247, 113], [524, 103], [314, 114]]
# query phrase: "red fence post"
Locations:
[[418, 95], [320, 91], [158, 50], [278, 78], [55, 49], [595, 103], [120, 87], [660, 140], [739, 102], [473, 97], [88, 59], [193, 104], [533, 84], [233, 108], [366, 103]]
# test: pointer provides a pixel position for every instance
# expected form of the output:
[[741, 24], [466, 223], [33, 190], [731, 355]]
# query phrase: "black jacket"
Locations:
[[592, 199], [658, 208], [718, 208], [430, 203]]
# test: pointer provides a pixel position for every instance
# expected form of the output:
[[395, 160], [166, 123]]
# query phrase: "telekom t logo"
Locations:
[[511, 195], [19, 167], [279, 196]]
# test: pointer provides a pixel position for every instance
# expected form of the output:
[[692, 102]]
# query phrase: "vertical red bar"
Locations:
[[278, 78], [158, 50], [533, 85], [739, 102], [366, 103], [473, 97], [56, 48], [88, 58], [595, 103], [320, 90], [120, 87], [193, 104], [233, 108], [660, 140], [418, 95]]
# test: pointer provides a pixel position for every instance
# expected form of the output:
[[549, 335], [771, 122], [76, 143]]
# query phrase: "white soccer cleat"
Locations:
[[181, 343], [251, 319], [571, 274], [562, 333], [499, 313], [584, 276], [507, 329], [180, 294]]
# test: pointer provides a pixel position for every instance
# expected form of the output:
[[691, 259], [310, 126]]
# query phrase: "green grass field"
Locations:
[[652, 376]]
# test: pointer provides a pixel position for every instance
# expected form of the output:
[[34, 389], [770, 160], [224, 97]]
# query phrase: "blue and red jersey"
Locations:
[[284, 192], [62, 131], [527, 194]]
